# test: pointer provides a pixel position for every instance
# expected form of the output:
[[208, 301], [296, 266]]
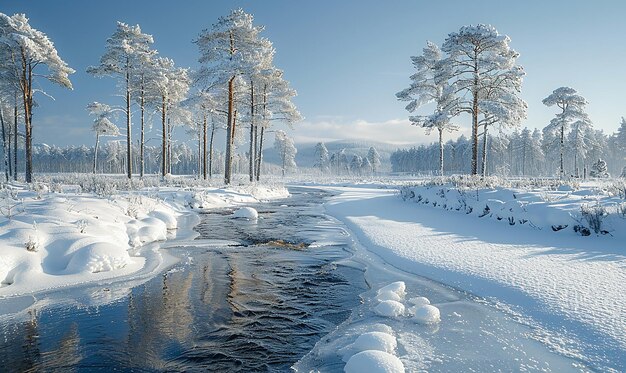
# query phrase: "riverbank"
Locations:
[[565, 284], [58, 236]]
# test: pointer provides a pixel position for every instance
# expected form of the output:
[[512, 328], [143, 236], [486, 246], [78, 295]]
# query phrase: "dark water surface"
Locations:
[[257, 304]]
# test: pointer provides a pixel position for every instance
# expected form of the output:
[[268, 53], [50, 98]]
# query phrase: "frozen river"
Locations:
[[288, 290]]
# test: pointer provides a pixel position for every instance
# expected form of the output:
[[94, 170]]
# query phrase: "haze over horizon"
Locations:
[[346, 59]]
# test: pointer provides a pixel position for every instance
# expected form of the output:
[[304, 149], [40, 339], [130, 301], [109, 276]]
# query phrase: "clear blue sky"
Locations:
[[346, 59]]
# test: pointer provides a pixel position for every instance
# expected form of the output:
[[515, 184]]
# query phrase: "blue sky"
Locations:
[[346, 59]]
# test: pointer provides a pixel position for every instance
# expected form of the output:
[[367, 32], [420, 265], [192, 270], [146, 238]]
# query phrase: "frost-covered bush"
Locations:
[[623, 175], [10, 204], [621, 209], [594, 216], [599, 169]]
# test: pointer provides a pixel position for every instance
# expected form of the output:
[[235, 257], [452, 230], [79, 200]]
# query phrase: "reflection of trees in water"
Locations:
[[22, 350], [159, 321], [66, 355], [20, 347]]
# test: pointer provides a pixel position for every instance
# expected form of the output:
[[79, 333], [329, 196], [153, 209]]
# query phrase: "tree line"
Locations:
[[475, 72], [525, 152], [236, 88]]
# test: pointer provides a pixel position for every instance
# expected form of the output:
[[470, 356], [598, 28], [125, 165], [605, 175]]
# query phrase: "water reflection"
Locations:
[[246, 308]]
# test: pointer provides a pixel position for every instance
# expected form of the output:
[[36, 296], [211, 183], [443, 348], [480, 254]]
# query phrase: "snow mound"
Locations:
[[167, 217], [374, 362], [419, 301], [246, 213], [98, 257], [375, 341], [389, 308], [398, 287], [427, 315], [388, 295]]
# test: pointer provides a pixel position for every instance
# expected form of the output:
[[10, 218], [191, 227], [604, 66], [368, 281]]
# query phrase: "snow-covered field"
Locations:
[[66, 237], [569, 284]]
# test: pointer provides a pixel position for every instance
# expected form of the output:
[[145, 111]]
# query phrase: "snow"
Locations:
[[419, 301], [246, 213], [398, 287], [374, 362], [572, 286], [375, 341], [389, 308], [388, 295], [79, 238], [427, 314]]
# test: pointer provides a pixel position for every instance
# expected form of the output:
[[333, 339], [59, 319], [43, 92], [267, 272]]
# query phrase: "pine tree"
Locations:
[[29, 50], [572, 107], [125, 54]]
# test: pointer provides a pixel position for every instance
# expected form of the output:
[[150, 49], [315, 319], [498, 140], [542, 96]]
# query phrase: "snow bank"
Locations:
[[77, 237], [560, 209], [561, 280], [374, 362], [246, 213]]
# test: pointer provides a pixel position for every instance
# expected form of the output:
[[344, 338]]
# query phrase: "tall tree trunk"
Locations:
[[475, 118], [229, 132], [204, 136], [27, 97], [169, 146], [9, 154], [164, 138], [562, 145], [255, 148], [141, 145], [440, 153], [211, 148], [129, 155], [5, 147], [260, 159], [15, 138], [485, 139], [251, 149], [95, 153]]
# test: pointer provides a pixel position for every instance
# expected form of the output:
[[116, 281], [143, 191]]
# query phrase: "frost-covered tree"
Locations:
[[203, 104], [102, 125], [25, 50], [321, 157], [356, 165], [126, 51], [167, 87], [579, 141], [286, 150], [572, 107], [276, 105], [620, 136], [227, 50], [480, 69], [373, 158], [599, 169], [427, 86]]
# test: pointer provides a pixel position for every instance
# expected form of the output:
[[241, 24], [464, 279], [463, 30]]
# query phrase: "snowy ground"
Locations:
[[569, 285], [55, 239]]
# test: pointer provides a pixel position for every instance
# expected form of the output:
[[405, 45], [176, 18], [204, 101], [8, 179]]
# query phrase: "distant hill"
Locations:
[[306, 152]]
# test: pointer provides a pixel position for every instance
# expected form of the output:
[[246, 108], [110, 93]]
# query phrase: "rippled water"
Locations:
[[248, 306]]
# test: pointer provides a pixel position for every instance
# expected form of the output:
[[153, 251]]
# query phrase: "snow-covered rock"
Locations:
[[375, 341], [398, 287], [427, 314], [389, 308], [246, 213], [388, 295], [372, 361], [419, 301]]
